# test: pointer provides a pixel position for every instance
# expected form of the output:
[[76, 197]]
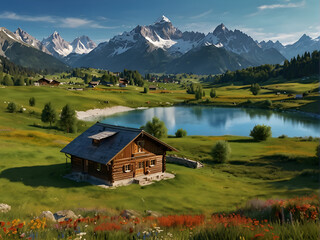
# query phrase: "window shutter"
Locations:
[[131, 167], [124, 168]]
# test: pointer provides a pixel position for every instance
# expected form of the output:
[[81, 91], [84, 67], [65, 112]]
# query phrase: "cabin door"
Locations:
[[84, 165], [139, 168]]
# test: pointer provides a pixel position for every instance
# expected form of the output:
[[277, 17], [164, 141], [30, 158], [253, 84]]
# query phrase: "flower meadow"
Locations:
[[296, 218]]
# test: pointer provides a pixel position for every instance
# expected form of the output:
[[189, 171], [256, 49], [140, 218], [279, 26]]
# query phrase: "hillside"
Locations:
[[27, 56]]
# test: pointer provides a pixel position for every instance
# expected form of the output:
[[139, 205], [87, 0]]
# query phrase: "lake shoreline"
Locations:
[[98, 113]]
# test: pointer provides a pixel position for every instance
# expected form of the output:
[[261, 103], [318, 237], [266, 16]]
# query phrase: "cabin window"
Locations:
[[140, 165], [126, 168], [99, 167], [153, 162], [140, 146]]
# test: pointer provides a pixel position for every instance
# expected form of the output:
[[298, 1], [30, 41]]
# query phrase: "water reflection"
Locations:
[[199, 120]]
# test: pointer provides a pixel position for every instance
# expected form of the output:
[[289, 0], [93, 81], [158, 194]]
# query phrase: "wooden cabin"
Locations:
[[45, 81], [93, 84], [118, 155]]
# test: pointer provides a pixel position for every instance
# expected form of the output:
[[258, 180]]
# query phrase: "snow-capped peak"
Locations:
[[83, 45], [163, 19]]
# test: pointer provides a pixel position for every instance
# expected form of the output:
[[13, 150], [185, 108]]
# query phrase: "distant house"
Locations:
[[117, 155], [93, 84], [298, 96], [152, 87], [45, 81], [123, 82]]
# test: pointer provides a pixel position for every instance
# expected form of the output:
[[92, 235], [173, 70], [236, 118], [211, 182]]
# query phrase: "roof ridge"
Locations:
[[119, 127]]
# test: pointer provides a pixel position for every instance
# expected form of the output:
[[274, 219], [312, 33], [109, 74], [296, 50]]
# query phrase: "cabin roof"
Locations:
[[110, 144]]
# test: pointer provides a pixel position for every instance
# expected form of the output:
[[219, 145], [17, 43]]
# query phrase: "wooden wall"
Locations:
[[151, 150]]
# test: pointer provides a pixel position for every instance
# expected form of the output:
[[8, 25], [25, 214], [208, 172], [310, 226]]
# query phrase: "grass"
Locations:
[[32, 169]]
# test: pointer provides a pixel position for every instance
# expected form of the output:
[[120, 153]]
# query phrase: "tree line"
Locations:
[[300, 66]]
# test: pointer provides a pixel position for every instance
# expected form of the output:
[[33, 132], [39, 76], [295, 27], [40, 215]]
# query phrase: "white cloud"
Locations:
[[65, 22], [14, 16], [285, 38], [201, 15], [286, 5]]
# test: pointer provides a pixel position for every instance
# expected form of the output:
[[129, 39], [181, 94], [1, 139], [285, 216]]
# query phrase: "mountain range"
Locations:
[[161, 47], [27, 52]]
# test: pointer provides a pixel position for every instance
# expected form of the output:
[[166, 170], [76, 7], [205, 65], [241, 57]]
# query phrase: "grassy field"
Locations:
[[32, 168]]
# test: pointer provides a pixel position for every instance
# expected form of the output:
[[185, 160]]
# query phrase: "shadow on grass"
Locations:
[[246, 140], [302, 182], [45, 176], [44, 127]]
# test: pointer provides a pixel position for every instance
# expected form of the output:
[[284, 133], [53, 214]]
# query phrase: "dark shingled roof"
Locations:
[[82, 146]]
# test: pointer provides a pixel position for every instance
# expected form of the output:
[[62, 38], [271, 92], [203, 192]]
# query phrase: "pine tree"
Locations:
[[213, 93], [68, 119], [48, 114], [32, 101]]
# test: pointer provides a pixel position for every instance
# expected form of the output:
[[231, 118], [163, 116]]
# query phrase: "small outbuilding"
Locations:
[[117, 155], [152, 87]]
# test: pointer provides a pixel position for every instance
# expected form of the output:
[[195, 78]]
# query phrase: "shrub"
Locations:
[[32, 101], [181, 133], [145, 90], [221, 152], [11, 107], [261, 132], [267, 103], [255, 88], [283, 136], [156, 127]]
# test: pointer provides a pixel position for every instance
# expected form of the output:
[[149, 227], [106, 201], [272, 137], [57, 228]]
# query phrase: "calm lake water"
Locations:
[[207, 121]]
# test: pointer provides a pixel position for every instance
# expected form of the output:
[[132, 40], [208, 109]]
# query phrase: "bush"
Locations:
[[11, 107], [255, 88], [267, 103], [181, 133], [283, 136], [145, 90], [221, 152], [32, 101], [261, 132], [156, 128]]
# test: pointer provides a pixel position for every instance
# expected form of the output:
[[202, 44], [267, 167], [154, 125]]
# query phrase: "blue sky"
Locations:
[[283, 20]]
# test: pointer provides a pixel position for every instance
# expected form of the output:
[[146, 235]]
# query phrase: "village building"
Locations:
[[152, 87], [123, 82], [44, 81], [117, 155], [93, 84]]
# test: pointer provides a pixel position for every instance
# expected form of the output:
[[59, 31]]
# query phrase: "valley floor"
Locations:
[[32, 167]]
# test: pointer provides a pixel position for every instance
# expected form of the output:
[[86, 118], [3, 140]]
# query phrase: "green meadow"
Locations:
[[32, 167]]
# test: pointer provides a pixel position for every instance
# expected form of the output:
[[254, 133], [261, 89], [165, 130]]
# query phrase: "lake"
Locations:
[[209, 121]]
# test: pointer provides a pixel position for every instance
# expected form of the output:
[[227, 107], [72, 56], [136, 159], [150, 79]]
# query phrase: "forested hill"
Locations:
[[297, 67], [9, 67]]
